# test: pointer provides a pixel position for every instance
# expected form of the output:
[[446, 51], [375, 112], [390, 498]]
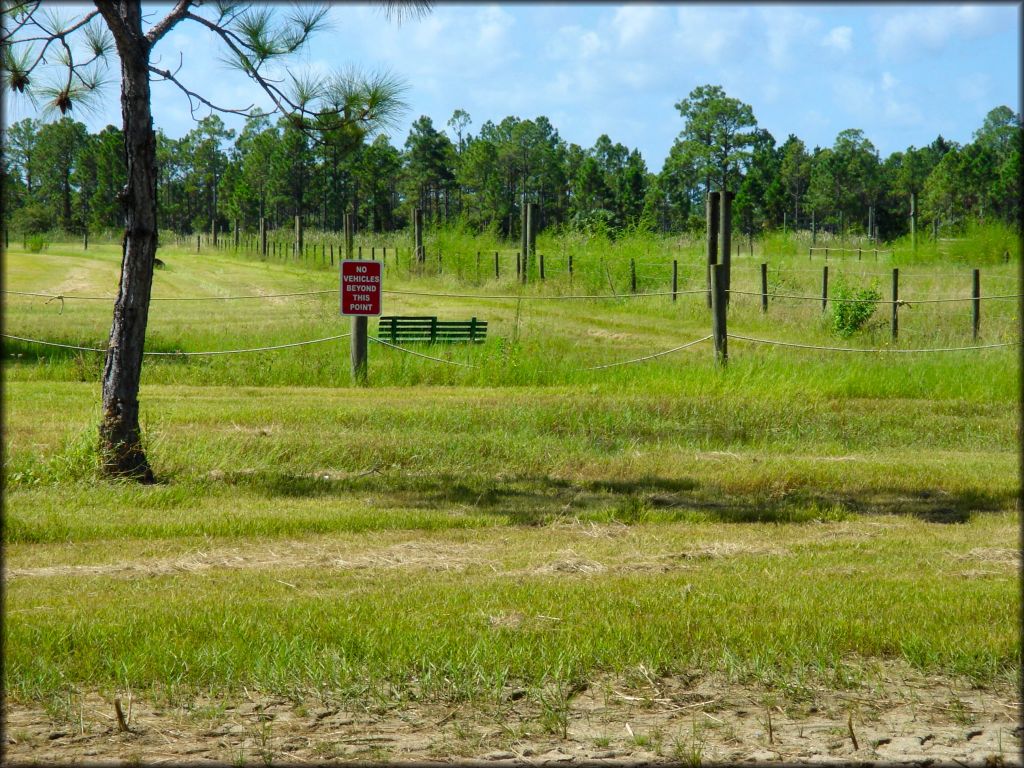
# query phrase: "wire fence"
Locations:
[[183, 354], [524, 296], [534, 297]]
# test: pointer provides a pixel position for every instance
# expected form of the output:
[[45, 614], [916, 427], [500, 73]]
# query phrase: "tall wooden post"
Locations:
[[349, 234], [85, 239], [824, 288], [764, 287], [263, 237], [675, 279], [913, 220], [725, 239], [895, 302], [417, 235], [712, 235], [358, 349], [530, 251], [524, 241], [632, 275], [976, 303], [199, 240], [298, 234], [718, 317], [497, 267], [540, 265]]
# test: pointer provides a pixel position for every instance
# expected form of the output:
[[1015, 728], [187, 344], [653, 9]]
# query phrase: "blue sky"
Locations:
[[902, 73]]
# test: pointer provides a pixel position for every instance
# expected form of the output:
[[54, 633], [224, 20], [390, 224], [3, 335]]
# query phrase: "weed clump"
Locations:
[[852, 307]]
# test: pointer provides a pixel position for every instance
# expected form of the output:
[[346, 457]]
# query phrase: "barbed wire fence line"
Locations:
[[718, 335]]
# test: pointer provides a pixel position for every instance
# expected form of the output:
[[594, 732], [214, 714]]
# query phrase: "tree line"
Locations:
[[58, 176]]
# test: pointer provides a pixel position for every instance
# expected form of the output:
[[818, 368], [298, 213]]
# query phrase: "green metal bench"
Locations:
[[398, 329]]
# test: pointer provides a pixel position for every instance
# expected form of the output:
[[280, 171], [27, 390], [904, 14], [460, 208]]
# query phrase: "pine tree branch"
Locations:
[[166, 24]]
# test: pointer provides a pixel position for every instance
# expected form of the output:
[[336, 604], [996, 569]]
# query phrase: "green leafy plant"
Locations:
[[36, 243], [852, 307]]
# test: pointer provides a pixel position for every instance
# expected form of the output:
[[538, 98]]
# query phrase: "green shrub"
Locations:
[[32, 220], [36, 243], [852, 308]]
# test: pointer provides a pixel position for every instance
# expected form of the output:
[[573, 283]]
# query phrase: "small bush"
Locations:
[[36, 243], [852, 308]]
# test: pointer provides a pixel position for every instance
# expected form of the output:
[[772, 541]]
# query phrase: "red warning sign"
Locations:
[[360, 287]]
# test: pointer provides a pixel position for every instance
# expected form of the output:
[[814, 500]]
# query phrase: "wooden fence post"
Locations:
[[632, 275], [349, 235], [497, 267], [519, 265], [764, 287], [675, 279], [417, 234], [718, 319], [85, 239], [913, 221], [824, 288], [531, 239], [570, 265], [725, 239], [358, 349], [976, 302], [298, 234], [895, 302], [712, 207], [198, 241], [540, 263]]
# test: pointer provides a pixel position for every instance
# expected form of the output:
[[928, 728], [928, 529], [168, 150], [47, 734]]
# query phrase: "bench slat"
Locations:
[[428, 329]]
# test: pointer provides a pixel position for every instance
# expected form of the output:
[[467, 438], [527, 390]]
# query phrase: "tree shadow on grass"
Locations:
[[541, 499]]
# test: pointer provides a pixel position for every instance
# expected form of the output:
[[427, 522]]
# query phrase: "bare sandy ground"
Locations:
[[903, 717]]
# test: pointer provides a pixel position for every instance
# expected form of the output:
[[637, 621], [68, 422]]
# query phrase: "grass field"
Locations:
[[797, 522]]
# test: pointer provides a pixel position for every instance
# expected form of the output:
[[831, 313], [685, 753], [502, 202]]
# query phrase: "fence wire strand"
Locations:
[[525, 297], [420, 354], [883, 350], [899, 302], [184, 354], [648, 357]]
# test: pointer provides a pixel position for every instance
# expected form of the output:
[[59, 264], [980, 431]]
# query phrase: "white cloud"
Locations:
[[785, 29], [888, 81], [704, 34], [855, 95], [634, 23], [930, 30], [839, 39], [493, 23], [575, 43]]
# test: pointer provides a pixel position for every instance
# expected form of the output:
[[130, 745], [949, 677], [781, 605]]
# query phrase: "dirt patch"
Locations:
[[992, 556], [282, 555], [905, 718]]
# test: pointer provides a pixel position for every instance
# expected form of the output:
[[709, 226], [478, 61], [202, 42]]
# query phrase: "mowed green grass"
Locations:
[[451, 531]]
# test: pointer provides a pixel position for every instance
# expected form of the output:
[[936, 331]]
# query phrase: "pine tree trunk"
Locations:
[[120, 438]]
